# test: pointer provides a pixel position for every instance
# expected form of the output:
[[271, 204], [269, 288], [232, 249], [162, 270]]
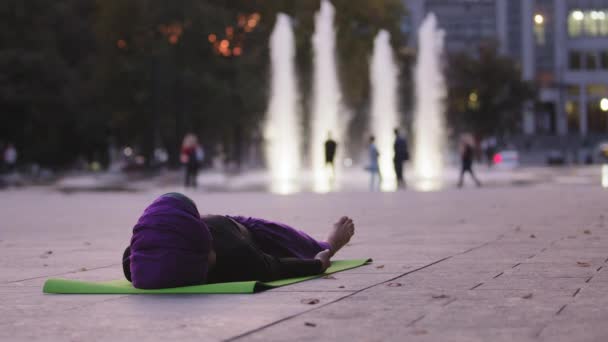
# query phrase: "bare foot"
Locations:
[[324, 256], [339, 236]]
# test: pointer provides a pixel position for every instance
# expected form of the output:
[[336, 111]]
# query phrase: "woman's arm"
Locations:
[[240, 259]]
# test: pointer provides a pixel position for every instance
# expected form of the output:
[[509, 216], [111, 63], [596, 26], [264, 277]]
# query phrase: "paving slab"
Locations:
[[500, 264]]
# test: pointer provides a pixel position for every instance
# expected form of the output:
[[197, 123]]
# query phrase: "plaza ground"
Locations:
[[500, 263]]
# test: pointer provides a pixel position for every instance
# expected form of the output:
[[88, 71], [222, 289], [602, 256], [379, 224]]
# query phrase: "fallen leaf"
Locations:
[[532, 236], [587, 231], [83, 269], [528, 296], [310, 301], [394, 284], [341, 286], [49, 252], [518, 229], [441, 296], [45, 265], [329, 277], [420, 332], [583, 264], [310, 324], [379, 267], [86, 243]]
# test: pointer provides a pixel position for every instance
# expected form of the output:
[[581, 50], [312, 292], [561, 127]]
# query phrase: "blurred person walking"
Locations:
[[373, 167], [467, 152], [401, 156], [10, 158], [191, 155], [330, 154]]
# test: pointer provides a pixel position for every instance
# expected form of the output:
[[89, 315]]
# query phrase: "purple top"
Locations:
[[281, 240], [170, 245]]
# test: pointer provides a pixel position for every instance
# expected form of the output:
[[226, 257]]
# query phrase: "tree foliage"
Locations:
[[486, 93], [81, 75]]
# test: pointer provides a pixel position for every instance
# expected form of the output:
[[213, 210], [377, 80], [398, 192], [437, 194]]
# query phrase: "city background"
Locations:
[[115, 85]]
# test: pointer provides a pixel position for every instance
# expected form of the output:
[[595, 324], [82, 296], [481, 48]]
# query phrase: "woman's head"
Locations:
[[170, 245], [189, 141]]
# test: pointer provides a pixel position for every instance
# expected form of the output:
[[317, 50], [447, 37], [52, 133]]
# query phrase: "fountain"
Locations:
[[326, 109], [282, 127], [384, 113], [429, 125]]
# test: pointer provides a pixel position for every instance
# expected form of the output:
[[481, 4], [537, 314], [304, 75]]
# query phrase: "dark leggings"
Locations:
[[191, 173], [467, 167]]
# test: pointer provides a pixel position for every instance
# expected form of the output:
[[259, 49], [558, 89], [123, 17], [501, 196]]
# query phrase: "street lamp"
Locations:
[[539, 19], [604, 104]]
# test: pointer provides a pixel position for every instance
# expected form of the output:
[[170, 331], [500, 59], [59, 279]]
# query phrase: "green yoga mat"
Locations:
[[123, 286]]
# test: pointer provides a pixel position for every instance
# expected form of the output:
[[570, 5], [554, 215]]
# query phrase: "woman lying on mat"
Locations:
[[172, 245]]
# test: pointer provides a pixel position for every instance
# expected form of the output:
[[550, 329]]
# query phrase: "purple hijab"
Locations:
[[170, 245]]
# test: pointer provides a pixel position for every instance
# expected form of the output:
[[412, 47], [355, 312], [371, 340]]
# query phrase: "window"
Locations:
[[539, 29], [572, 115], [604, 59], [590, 23], [590, 61], [574, 60], [573, 90], [597, 90], [597, 118]]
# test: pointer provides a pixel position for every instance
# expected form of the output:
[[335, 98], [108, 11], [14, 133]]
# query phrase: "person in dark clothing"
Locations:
[[330, 153], [190, 155], [467, 153], [400, 157], [172, 245]]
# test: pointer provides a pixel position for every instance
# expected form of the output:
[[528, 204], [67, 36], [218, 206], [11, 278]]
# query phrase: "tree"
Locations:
[[486, 93], [46, 62]]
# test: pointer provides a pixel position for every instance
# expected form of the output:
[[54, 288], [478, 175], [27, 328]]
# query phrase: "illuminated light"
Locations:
[[173, 39], [121, 43], [601, 15], [237, 51], [578, 15], [569, 107], [473, 97], [128, 151], [226, 52], [224, 44], [212, 38], [604, 104], [242, 20], [605, 176], [175, 29], [539, 19], [595, 15], [229, 31], [252, 22], [497, 158], [256, 16]]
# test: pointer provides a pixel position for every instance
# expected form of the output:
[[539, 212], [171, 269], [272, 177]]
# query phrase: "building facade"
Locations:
[[562, 45]]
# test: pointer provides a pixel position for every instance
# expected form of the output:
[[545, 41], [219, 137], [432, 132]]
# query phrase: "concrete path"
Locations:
[[490, 264]]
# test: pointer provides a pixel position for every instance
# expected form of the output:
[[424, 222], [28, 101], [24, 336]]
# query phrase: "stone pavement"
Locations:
[[490, 264]]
